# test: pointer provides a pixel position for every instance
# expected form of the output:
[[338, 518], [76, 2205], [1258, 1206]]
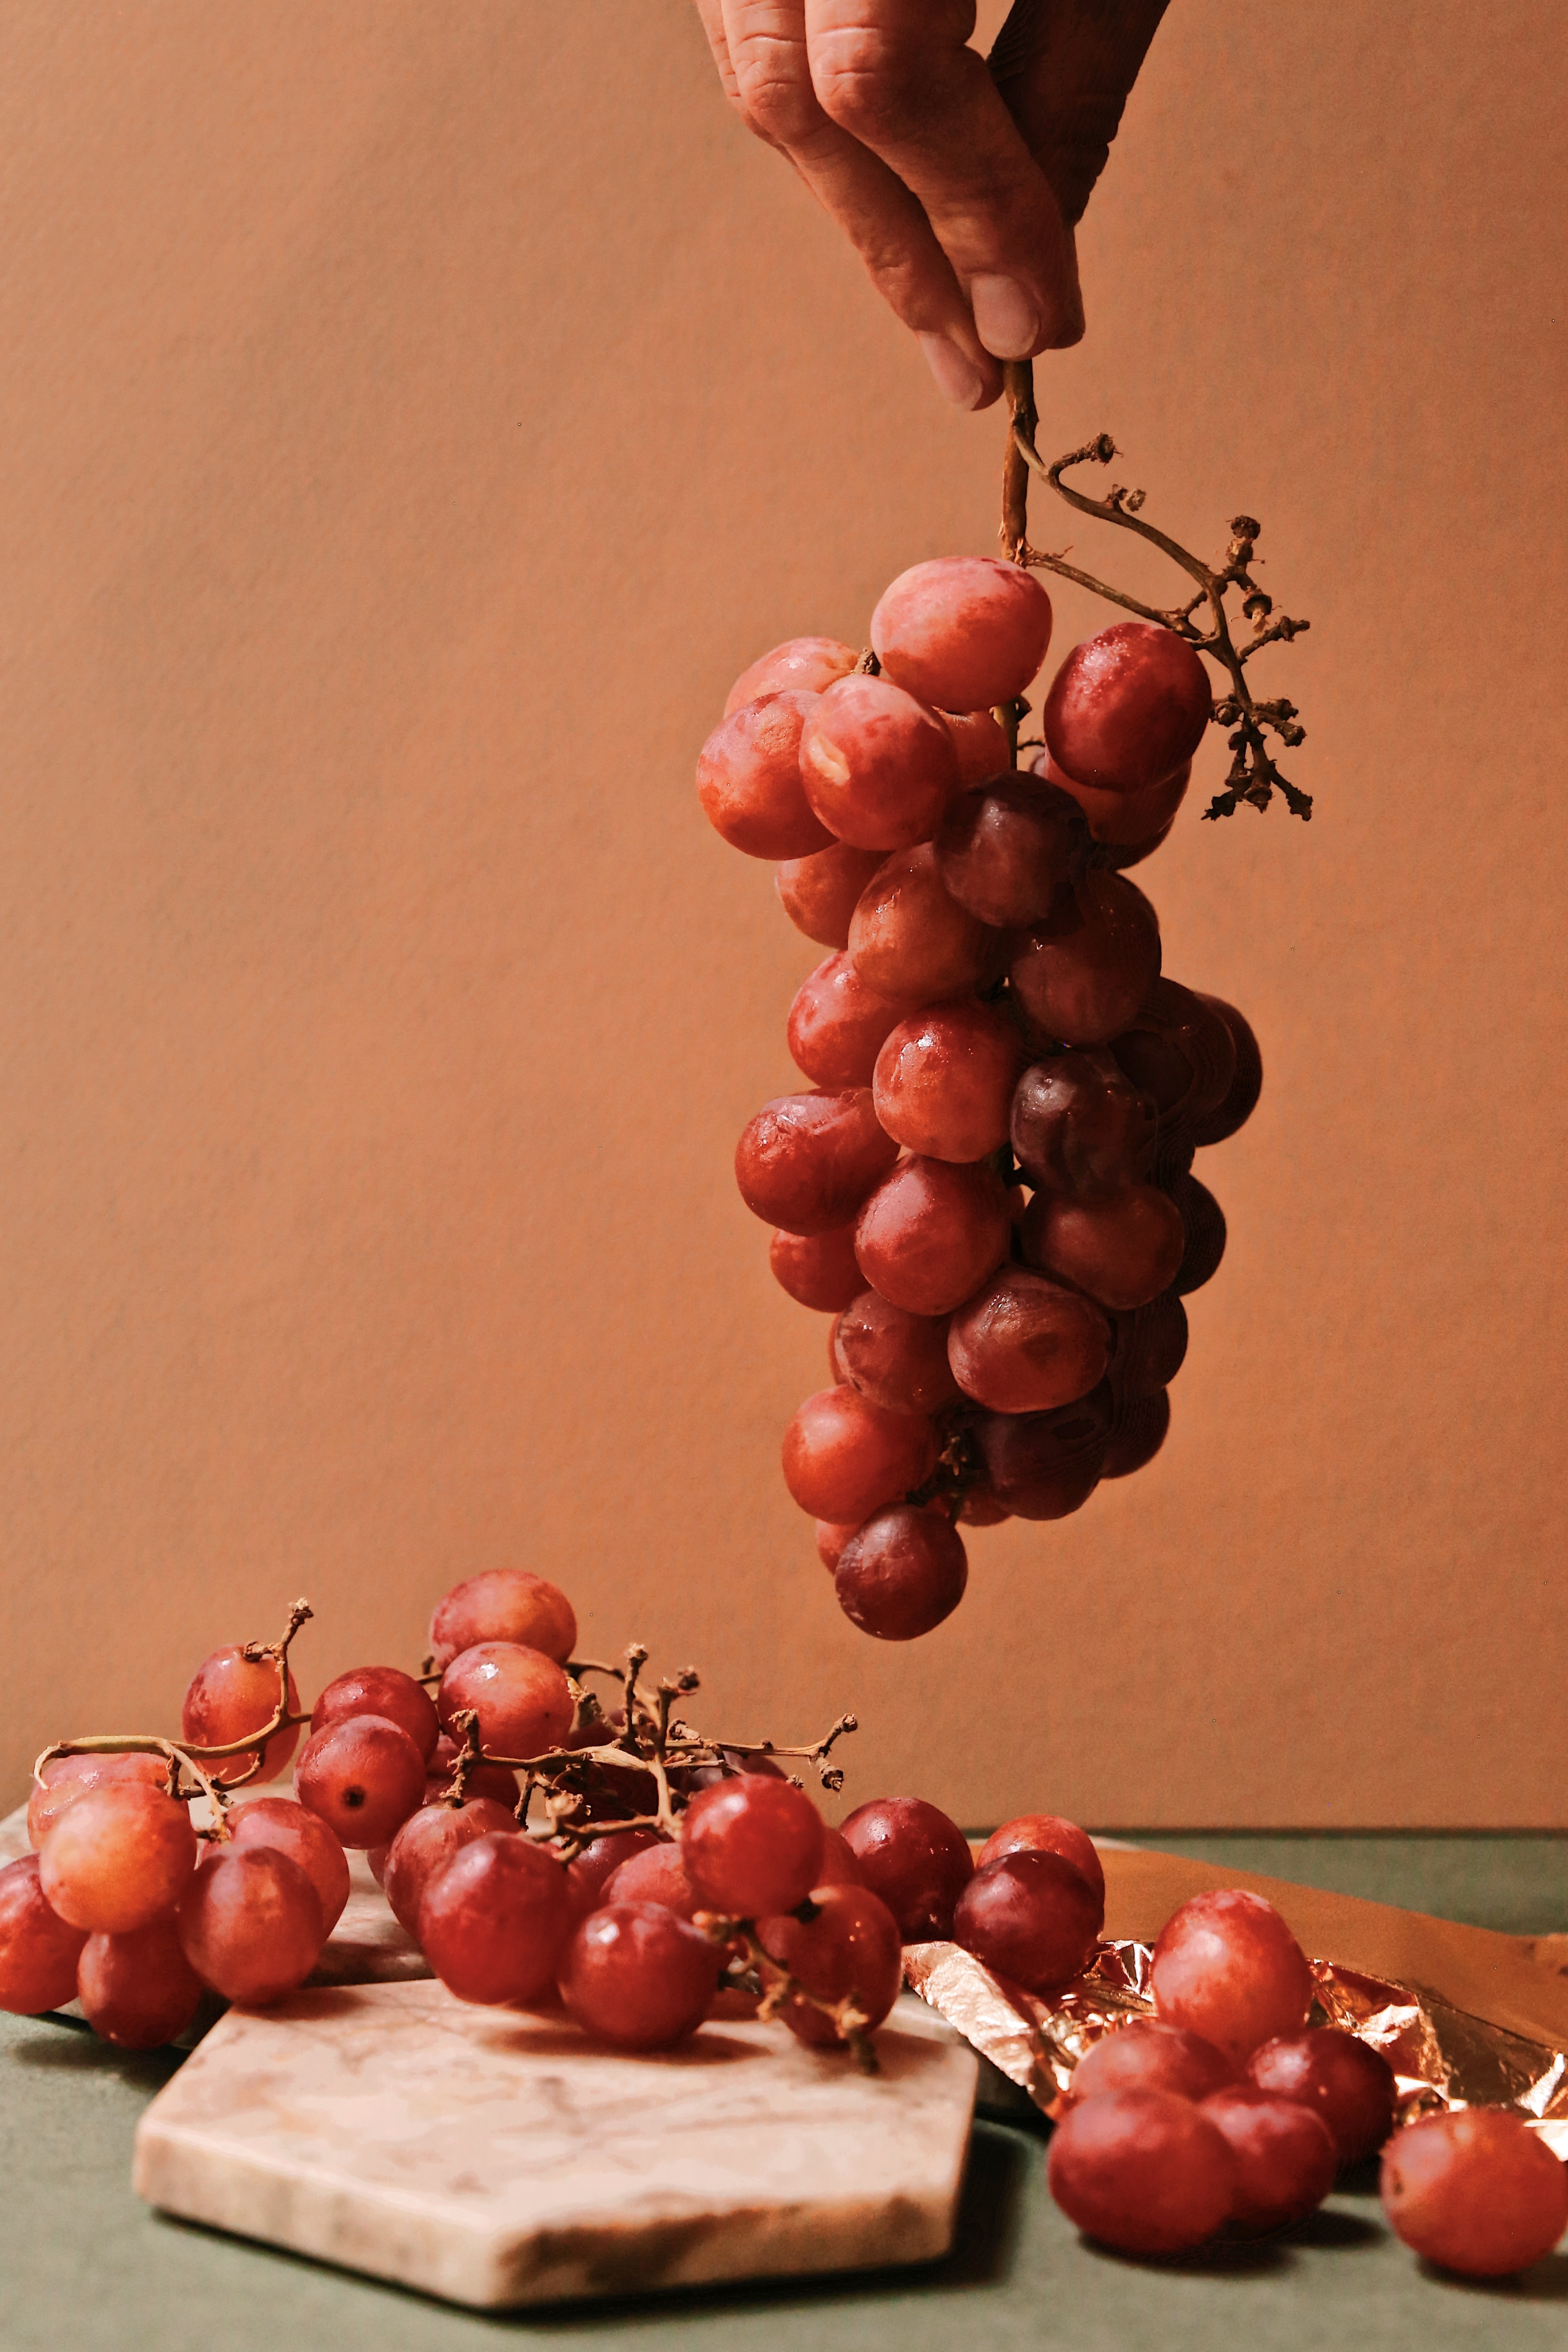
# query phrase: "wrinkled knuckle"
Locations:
[[876, 94], [779, 106]]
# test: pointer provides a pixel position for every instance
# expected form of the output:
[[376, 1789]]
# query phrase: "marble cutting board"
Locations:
[[498, 2159]]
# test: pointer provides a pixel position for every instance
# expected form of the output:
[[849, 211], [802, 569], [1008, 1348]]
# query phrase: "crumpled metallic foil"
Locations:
[[1442, 2058]]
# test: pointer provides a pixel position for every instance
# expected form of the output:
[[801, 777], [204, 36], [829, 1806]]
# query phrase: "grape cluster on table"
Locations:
[[989, 1185]]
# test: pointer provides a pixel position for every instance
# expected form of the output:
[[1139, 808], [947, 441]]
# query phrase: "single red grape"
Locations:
[[67, 1778], [751, 1845], [1285, 2160], [878, 767], [848, 1951], [801, 665], [504, 1604], [1045, 1465], [523, 1700], [1024, 1344], [1081, 1126], [964, 632], [304, 1837], [1179, 1051], [1046, 1833], [1143, 1425], [493, 1919], [1203, 1223], [819, 1270], [1008, 851], [1241, 1097], [38, 1950], [931, 1232], [838, 1867], [635, 1975], [119, 1856], [901, 1574], [1144, 2171], [897, 1359], [656, 1875], [1148, 2056], [844, 1457], [137, 1989], [1475, 2191], [250, 1924], [748, 779], [1151, 1347], [1081, 975], [916, 1858], [385, 1691], [1124, 820], [229, 1696], [590, 1870], [1342, 2079], [807, 1161], [832, 1535], [944, 1080], [837, 1025], [1226, 1965], [363, 1776], [1127, 707], [819, 893], [1123, 1250], [912, 942], [980, 743], [1030, 1917], [429, 1838]]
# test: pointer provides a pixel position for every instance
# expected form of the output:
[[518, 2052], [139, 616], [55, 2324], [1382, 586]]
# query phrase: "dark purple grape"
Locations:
[[1202, 1219], [1141, 1428], [1080, 1126], [1043, 1466], [1151, 1347]]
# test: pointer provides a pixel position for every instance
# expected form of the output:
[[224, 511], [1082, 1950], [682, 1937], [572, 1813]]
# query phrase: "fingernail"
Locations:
[[1005, 317], [957, 377]]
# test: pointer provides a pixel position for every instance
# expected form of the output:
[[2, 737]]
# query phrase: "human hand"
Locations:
[[958, 181]]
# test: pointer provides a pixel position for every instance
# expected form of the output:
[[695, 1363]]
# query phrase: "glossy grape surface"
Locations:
[[931, 1232], [879, 766], [523, 1700], [944, 1080], [807, 1161], [304, 1837], [385, 1691], [1123, 1250], [837, 1025], [1081, 975], [589, 1870], [844, 1457], [819, 893], [1047, 1833], [504, 1604], [901, 1574], [749, 780], [137, 1989], [637, 1976], [980, 743], [916, 1858], [250, 1924], [655, 1874], [1127, 707], [897, 1359], [38, 1950], [119, 1856], [1007, 851], [801, 665], [963, 631], [1226, 1965], [1144, 2171], [1148, 2056], [751, 1845], [1342, 2079], [493, 1919], [229, 1696], [67, 1778], [363, 1776], [1475, 2191], [1031, 1916], [429, 1839], [1081, 1126], [1045, 1465], [818, 1270], [912, 942], [848, 1951], [1024, 1344]]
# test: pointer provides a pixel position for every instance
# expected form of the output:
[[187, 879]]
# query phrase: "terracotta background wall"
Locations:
[[412, 418]]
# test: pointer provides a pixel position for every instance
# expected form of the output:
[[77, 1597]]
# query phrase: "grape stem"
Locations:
[[1254, 776], [778, 1986]]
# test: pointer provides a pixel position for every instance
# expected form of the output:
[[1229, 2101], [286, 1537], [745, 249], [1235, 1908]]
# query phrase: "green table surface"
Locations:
[[84, 2265]]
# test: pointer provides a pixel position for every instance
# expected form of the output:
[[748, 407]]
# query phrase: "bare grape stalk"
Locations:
[[1254, 776]]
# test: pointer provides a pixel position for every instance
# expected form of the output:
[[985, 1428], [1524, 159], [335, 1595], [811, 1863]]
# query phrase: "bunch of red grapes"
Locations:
[[989, 1185]]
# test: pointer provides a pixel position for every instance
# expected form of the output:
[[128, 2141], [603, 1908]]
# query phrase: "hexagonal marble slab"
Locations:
[[500, 2158]]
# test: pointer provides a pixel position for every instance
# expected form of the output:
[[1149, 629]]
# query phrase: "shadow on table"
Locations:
[[1544, 2282], [77, 2050]]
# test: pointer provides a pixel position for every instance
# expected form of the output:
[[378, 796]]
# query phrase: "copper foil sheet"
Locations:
[[1442, 2057]]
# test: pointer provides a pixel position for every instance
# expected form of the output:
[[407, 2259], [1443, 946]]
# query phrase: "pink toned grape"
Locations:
[[1124, 819], [1202, 1223], [1047, 1833], [523, 1700], [912, 942], [1148, 2056], [1024, 1344], [589, 1872], [483, 1780], [963, 631], [637, 1976], [137, 1989], [980, 743], [837, 1025], [751, 1846], [494, 1918], [304, 1837], [749, 780], [229, 1696], [119, 1856], [1008, 851], [363, 1775], [838, 1867], [1081, 976], [656, 1875], [1475, 2191], [67, 1778], [429, 1838], [38, 1950], [250, 1925], [1030, 1917], [819, 893], [931, 1232], [844, 1457], [915, 1859], [818, 1270], [1123, 1250], [1044, 1465], [807, 1161], [1226, 1965], [1143, 1425], [385, 1691], [878, 767], [1151, 1347], [944, 1078], [1344, 2080], [831, 1535], [1127, 708], [1178, 1051], [895, 1360], [1081, 1126], [504, 1604], [800, 665], [1284, 2157], [1144, 2171], [901, 1574], [848, 1951], [1245, 1085]]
